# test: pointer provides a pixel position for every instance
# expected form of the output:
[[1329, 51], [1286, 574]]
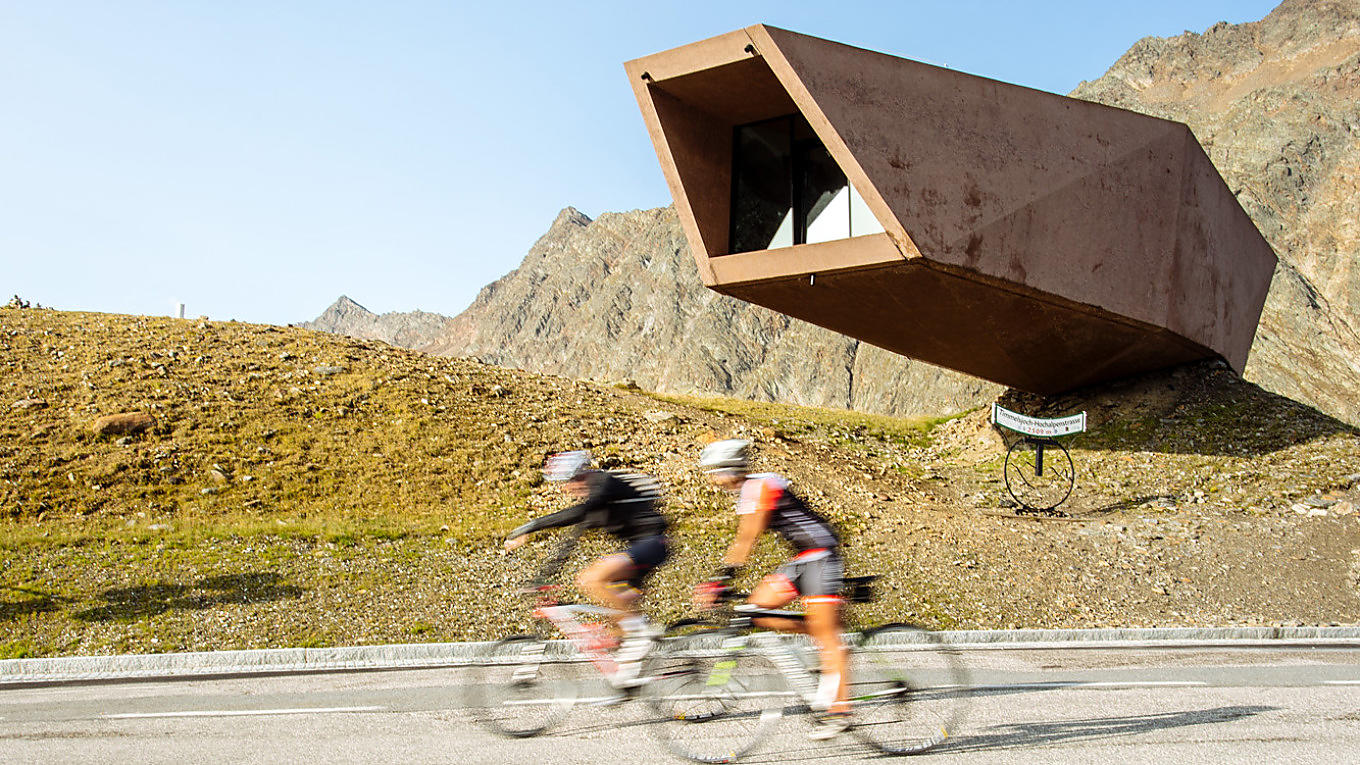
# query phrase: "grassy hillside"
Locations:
[[305, 489]]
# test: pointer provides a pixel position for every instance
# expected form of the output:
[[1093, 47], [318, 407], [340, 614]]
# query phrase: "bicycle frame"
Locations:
[[586, 638], [800, 679]]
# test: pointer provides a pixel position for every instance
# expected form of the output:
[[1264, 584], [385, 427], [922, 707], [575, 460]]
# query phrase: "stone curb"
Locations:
[[77, 669]]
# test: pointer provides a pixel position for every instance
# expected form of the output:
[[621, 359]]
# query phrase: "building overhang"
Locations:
[[1034, 240]]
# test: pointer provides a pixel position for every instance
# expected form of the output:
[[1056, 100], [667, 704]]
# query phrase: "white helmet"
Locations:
[[565, 466], [732, 454]]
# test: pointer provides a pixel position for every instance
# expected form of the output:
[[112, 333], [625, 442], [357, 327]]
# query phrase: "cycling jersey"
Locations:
[[788, 515], [623, 504]]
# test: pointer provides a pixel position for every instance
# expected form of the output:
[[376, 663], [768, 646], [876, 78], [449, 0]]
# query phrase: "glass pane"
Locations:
[[762, 189], [825, 207], [862, 221], [832, 221]]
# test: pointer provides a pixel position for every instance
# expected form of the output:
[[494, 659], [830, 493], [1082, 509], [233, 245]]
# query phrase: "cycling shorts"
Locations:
[[812, 574], [646, 554]]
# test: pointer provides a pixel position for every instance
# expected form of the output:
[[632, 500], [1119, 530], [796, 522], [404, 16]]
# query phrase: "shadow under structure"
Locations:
[[1035, 240]]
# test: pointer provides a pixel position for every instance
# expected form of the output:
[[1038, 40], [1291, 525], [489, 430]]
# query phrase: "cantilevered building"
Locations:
[[1034, 240]]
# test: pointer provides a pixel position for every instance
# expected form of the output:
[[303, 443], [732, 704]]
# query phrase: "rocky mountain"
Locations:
[[409, 329], [618, 298], [1276, 103]]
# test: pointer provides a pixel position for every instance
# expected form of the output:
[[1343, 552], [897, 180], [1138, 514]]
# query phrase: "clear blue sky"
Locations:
[[255, 159]]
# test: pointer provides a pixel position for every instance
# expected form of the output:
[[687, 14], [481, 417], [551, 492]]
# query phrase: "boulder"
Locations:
[[126, 423]]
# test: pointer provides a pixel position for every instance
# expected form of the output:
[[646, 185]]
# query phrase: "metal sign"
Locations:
[[1035, 426]]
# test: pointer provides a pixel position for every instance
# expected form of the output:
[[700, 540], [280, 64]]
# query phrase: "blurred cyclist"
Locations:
[[765, 501], [625, 505]]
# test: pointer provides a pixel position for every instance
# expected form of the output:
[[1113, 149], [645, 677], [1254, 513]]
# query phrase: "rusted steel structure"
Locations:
[[1031, 239]]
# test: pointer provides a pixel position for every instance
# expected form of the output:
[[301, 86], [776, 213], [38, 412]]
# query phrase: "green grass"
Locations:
[[792, 421]]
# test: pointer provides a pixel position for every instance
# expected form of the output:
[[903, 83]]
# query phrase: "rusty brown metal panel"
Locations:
[[701, 146], [694, 57], [737, 93], [807, 260], [955, 322], [1030, 239], [1226, 308], [952, 153]]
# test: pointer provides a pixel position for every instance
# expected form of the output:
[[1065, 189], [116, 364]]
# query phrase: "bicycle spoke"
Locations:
[[524, 687], [907, 690], [712, 705]]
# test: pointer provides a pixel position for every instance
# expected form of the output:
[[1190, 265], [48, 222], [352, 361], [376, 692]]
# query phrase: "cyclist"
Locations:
[[765, 501], [625, 505]]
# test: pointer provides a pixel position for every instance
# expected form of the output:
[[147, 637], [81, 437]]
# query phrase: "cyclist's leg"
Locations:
[[599, 580], [776, 591], [617, 580], [824, 625], [821, 583]]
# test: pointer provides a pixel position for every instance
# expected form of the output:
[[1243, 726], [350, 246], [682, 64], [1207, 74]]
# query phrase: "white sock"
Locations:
[[826, 690], [631, 625]]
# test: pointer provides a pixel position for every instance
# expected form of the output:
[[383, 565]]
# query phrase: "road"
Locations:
[[1184, 705]]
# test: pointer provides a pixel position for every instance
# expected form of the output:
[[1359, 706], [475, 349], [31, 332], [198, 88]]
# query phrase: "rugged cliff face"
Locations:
[[619, 298], [1276, 103]]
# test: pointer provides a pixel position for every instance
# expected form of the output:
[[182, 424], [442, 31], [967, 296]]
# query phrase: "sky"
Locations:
[[256, 159]]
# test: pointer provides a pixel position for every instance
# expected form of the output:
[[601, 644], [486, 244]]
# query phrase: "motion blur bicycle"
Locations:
[[719, 688], [528, 683]]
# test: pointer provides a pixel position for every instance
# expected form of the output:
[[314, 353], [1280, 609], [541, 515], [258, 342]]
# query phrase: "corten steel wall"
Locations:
[[1034, 240]]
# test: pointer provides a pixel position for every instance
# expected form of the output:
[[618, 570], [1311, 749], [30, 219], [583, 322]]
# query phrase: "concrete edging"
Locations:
[[76, 669]]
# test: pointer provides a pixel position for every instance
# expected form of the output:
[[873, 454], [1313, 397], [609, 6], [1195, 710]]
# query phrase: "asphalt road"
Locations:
[[1298, 705]]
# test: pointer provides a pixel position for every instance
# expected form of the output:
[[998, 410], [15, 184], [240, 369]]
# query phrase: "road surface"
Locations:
[[1183, 705]]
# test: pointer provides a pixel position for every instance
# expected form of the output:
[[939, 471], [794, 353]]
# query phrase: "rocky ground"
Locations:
[[297, 488]]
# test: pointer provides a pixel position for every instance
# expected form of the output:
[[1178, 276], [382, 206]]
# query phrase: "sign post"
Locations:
[[1036, 487]]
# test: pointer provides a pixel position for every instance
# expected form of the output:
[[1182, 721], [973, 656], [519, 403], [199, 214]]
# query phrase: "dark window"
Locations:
[[762, 191], [786, 189]]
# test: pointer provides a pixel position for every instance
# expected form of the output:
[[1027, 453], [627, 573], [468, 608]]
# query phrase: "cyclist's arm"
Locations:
[[754, 519], [568, 517]]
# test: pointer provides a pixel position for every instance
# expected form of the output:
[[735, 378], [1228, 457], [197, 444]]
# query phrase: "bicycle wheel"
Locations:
[[1039, 473], [524, 686], [714, 699], [908, 690]]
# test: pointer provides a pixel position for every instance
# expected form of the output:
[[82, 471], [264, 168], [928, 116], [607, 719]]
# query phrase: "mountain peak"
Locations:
[[346, 303], [570, 216]]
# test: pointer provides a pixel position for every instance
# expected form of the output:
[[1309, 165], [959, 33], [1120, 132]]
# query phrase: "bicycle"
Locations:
[[527, 683], [720, 688]]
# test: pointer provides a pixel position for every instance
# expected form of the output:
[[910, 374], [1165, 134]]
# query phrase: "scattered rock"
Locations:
[[29, 403], [327, 371], [661, 417], [127, 423]]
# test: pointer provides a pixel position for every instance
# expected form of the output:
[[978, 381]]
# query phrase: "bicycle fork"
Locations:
[[800, 680]]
